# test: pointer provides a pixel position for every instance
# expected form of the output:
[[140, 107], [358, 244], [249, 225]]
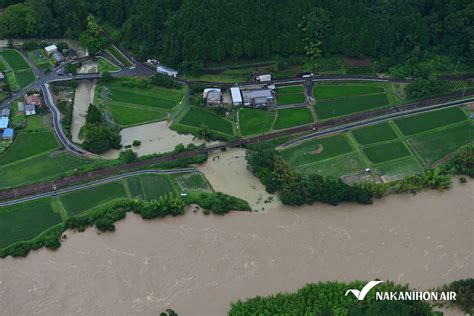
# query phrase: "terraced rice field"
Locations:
[[133, 105], [255, 121], [287, 118], [290, 95], [197, 117]]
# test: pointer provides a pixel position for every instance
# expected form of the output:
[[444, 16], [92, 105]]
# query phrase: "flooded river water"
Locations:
[[198, 264]]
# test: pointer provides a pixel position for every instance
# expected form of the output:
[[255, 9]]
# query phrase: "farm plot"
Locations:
[[155, 186], [26, 220], [330, 108], [79, 201], [21, 74], [424, 122], [15, 60], [337, 166], [384, 152], [374, 134], [127, 115], [197, 117], [290, 95], [133, 105], [40, 168], [287, 118], [255, 121], [135, 187], [192, 182], [437, 144], [28, 145], [322, 91], [399, 169], [316, 150]]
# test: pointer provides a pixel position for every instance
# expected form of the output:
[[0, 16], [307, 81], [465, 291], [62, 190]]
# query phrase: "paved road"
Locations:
[[329, 126], [95, 183], [68, 145]]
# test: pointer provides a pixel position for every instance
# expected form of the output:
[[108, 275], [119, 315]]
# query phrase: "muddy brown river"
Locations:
[[198, 264]]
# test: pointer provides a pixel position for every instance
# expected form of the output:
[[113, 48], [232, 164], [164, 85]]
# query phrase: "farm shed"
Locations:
[[51, 49], [6, 112], [236, 96], [167, 71], [3, 122], [8, 134]]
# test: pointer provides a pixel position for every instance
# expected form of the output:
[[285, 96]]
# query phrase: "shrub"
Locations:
[[136, 143]]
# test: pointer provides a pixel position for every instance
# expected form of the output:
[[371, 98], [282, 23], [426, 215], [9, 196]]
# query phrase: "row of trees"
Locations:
[[104, 217], [295, 188], [191, 32], [328, 298], [98, 137]]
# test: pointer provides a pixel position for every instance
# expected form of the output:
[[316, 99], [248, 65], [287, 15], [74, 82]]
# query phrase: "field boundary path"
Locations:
[[55, 192], [330, 126]]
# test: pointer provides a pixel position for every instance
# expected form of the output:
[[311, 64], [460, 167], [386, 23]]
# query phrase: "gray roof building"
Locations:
[[257, 98], [6, 112], [57, 57]]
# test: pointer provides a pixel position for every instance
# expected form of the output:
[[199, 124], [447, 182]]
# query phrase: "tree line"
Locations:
[[188, 33]]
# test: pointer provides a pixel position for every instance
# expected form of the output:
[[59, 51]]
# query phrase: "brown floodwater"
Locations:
[[198, 264]]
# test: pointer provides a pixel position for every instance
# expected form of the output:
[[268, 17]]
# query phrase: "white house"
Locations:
[[167, 71], [51, 49], [236, 96]]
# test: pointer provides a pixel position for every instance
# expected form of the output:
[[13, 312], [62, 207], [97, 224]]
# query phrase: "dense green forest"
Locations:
[[188, 33]]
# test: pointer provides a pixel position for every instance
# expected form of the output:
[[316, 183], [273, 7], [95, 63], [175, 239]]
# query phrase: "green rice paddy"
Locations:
[[430, 120], [25, 221], [287, 118], [290, 95], [197, 117], [374, 133], [255, 121]]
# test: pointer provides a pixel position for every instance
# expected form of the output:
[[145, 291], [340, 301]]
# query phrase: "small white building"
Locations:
[[30, 109], [236, 96], [262, 78], [167, 71], [51, 49]]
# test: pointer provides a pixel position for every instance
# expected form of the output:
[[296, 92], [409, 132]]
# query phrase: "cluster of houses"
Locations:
[[28, 107], [249, 96], [57, 56]]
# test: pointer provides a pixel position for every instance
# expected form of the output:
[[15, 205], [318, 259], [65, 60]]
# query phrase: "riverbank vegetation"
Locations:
[[328, 298], [104, 216], [297, 188]]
